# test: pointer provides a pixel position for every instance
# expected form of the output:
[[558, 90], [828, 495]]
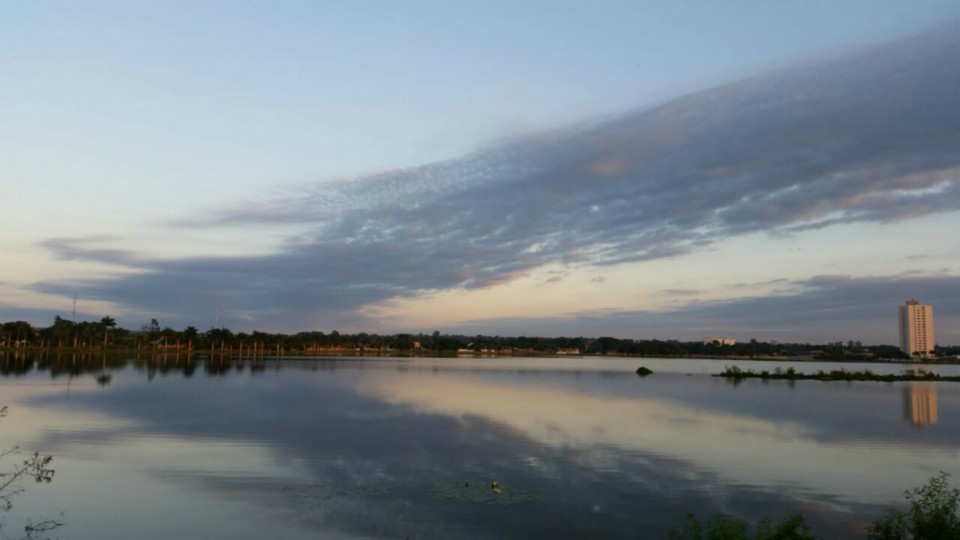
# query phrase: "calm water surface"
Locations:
[[408, 448]]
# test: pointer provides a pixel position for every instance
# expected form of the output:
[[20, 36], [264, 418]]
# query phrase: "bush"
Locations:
[[932, 515]]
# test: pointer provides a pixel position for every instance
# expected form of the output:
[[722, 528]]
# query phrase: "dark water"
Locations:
[[409, 448]]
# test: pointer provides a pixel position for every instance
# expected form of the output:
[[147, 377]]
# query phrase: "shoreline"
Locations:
[[429, 353]]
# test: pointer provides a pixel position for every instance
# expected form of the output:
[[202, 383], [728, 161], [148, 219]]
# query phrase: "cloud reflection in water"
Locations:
[[361, 447]]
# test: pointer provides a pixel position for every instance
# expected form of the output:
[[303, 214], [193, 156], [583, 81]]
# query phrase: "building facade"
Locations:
[[916, 329]]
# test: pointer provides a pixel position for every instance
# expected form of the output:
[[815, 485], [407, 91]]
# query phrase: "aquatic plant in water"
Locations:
[[482, 492]]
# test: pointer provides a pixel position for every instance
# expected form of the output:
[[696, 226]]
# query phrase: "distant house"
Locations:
[[717, 340]]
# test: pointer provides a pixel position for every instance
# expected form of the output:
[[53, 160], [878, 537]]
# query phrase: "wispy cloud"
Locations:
[[88, 249], [681, 292], [821, 308], [870, 137]]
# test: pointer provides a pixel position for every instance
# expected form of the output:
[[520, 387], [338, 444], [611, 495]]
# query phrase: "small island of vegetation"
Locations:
[[790, 374]]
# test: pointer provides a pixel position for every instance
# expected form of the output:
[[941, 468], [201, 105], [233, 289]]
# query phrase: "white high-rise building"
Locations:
[[916, 329]]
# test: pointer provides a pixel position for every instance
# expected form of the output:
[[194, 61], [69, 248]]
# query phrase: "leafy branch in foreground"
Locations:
[[39, 530], [932, 514], [36, 467]]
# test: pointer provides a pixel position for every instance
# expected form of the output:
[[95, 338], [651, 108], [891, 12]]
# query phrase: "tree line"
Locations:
[[105, 334]]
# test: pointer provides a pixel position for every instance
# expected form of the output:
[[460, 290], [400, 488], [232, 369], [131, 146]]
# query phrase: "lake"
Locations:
[[410, 447]]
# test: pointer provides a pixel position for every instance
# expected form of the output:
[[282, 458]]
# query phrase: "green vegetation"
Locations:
[[643, 371], [932, 516], [790, 374], [104, 334]]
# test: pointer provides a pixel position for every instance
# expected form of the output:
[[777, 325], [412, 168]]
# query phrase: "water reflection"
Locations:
[[404, 448], [920, 404]]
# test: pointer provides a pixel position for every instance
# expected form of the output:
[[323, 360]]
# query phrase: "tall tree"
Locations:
[[107, 323], [191, 334]]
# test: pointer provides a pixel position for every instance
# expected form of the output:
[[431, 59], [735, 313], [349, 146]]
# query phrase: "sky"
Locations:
[[780, 171]]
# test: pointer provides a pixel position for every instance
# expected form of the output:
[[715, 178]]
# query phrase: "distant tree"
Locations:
[[404, 342], [87, 333], [169, 335], [219, 338], [107, 323], [17, 332], [61, 329], [190, 333], [604, 345]]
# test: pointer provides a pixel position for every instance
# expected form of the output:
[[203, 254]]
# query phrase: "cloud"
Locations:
[[820, 309], [36, 316], [868, 137], [681, 292], [80, 249]]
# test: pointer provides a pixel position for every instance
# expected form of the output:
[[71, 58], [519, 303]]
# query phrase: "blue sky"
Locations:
[[642, 169]]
